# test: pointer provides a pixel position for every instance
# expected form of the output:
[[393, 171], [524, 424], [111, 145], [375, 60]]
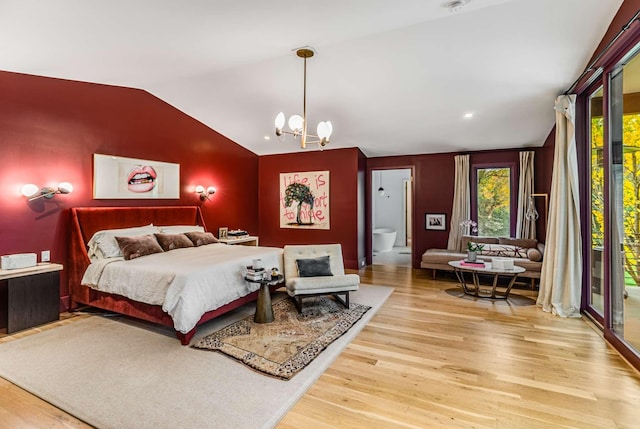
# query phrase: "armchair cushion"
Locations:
[[314, 267]]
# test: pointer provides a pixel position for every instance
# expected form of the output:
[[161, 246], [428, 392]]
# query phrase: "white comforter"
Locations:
[[186, 282]]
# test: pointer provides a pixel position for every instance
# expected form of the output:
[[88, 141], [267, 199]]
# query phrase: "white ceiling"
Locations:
[[393, 76]]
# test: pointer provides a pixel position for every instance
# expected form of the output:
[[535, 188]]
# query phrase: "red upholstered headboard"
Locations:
[[86, 221]]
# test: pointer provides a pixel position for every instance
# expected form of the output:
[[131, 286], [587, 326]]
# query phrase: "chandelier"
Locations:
[[297, 123]]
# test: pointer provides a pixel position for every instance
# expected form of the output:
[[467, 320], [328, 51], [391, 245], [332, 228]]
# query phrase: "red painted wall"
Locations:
[[50, 129], [343, 167]]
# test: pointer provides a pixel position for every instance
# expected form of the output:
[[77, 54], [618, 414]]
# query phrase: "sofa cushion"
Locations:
[[504, 250], [520, 242], [533, 254]]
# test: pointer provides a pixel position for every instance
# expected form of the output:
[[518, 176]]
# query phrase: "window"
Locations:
[[494, 200]]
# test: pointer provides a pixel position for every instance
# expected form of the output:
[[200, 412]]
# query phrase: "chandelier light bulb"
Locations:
[[211, 190], [279, 121], [295, 123], [199, 189], [323, 130]]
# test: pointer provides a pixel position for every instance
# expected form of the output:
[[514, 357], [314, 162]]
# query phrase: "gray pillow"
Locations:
[[201, 238], [316, 267], [134, 247], [173, 241]]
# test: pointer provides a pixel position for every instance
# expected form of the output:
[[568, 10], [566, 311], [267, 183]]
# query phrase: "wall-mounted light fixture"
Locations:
[[33, 192], [204, 194]]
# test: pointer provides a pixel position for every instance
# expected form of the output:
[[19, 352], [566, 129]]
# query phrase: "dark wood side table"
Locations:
[[264, 310], [29, 296]]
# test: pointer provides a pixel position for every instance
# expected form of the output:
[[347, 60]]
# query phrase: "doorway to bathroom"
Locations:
[[391, 216]]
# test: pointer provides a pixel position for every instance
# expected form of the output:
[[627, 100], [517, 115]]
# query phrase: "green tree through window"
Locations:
[[494, 201], [631, 192]]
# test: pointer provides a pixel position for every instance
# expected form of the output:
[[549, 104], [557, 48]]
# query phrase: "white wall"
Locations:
[[388, 210]]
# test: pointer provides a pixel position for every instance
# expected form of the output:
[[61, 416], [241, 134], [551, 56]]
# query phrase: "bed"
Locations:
[[183, 289]]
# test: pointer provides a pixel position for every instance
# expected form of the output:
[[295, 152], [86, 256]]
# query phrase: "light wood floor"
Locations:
[[430, 358]]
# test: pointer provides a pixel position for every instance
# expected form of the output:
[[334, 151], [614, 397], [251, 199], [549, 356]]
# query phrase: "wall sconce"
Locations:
[[33, 192], [204, 194]]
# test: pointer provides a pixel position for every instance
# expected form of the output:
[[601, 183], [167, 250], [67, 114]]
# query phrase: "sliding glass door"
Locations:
[[624, 207], [612, 283], [596, 289]]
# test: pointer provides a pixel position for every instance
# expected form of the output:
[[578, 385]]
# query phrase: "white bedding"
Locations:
[[186, 282]]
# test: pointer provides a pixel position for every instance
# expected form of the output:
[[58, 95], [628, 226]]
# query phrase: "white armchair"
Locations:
[[301, 285]]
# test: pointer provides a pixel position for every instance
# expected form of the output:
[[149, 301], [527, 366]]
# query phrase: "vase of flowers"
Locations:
[[472, 250], [470, 227]]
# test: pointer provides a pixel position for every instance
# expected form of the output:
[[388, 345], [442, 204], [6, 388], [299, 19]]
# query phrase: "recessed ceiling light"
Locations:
[[267, 138], [468, 115], [456, 6]]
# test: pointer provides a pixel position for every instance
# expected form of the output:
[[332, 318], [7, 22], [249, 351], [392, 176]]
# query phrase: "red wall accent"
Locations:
[[50, 129], [343, 167]]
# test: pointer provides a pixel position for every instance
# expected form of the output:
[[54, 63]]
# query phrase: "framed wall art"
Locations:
[[116, 177], [304, 200], [435, 221]]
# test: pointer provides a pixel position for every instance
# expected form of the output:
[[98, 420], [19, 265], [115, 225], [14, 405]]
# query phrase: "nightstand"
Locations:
[[243, 241], [29, 296]]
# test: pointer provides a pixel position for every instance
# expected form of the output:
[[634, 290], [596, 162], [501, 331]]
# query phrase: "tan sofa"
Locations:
[[531, 253]]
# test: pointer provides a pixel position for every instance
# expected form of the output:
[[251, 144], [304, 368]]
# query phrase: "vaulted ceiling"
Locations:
[[393, 77]]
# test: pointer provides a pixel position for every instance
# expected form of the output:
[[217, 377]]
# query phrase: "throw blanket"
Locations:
[[185, 282]]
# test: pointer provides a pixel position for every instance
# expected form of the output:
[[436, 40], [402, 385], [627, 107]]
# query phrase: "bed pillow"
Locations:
[[134, 247], [103, 244], [180, 229], [173, 241], [316, 267], [201, 238]]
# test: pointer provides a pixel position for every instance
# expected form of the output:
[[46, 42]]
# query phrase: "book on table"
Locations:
[[472, 263]]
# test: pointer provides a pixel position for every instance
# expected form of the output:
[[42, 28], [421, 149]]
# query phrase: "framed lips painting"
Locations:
[[116, 177]]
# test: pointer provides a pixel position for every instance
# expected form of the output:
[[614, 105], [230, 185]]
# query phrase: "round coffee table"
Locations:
[[460, 268], [264, 310]]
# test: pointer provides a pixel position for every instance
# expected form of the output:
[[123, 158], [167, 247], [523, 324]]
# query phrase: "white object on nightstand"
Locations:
[[245, 241], [19, 260]]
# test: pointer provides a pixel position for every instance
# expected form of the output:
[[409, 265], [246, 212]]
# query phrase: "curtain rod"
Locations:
[[604, 51]]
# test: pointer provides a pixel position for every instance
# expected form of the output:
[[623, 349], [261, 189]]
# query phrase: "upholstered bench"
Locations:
[[318, 269]]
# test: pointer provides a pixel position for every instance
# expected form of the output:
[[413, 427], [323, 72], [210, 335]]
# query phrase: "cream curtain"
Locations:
[[525, 228], [461, 209], [561, 276]]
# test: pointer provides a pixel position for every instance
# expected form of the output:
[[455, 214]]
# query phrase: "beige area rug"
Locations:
[[115, 373], [291, 341]]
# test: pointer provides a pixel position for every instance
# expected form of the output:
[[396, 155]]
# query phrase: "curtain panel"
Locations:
[[525, 228], [461, 209], [561, 276]]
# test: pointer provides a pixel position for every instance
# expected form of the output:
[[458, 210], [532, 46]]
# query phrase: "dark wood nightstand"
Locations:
[[29, 296]]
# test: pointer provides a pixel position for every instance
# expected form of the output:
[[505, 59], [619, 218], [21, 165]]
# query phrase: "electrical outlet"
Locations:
[[45, 256]]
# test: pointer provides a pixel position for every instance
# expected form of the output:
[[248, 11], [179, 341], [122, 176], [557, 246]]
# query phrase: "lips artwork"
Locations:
[[142, 178]]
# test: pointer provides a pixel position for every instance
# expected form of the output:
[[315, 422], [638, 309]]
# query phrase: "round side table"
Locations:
[[264, 310]]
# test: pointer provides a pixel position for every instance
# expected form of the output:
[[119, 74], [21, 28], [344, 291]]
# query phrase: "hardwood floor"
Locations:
[[430, 358]]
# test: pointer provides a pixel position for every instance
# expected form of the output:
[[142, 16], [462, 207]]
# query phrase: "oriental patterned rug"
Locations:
[[291, 341]]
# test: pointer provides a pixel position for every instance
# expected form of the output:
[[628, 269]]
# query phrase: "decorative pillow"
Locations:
[[173, 241], [134, 247], [520, 242], [316, 267], [180, 229], [504, 250], [534, 255], [201, 238], [103, 244]]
